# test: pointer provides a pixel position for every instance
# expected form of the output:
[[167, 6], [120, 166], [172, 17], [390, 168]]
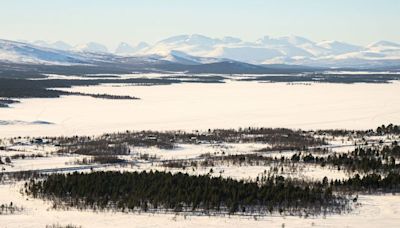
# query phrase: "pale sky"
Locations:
[[112, 21]]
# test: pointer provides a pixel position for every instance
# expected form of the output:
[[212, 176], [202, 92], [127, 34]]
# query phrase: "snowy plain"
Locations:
[[187, 106]]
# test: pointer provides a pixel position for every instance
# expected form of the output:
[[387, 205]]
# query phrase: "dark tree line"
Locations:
[[101, 159], [211, 161], [361, 159], [180, 192], [381, 130], [371, 183], [4, 103], [389, 129]]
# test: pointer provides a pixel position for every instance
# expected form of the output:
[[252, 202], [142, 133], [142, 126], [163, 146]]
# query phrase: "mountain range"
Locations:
[[198, 49]]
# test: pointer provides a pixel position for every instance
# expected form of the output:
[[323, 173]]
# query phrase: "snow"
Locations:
[[11, 51], [187, 106], [126, 49], [336, 47], [288, 49], [91, 47], [60, 45], [370, 211]]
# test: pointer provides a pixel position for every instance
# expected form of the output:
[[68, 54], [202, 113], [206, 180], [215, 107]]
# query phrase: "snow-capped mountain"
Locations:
[[199, 49], [91, 47], [126, 49], [183, 58], [279, 50], [283, 41], [334, 47], [60, 45]]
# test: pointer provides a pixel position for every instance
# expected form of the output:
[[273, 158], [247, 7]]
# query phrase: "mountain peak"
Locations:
[[338, 47], [196, 49], [92, 47], [126, 49], [284, 41], [384, 43], [230, 39], [59, 45], [191, 39], [296, 40]]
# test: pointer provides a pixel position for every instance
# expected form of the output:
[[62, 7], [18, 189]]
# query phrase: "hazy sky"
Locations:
[[112, 21]]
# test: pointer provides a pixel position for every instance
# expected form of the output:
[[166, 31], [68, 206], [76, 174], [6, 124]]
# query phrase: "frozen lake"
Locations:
[[201, 106]]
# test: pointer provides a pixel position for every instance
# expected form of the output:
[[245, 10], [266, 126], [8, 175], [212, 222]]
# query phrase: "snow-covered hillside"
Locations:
[[58, 53], [18, 52], [91, 47], [126, 49]]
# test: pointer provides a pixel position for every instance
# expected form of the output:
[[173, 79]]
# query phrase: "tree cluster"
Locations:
[[180, 192]]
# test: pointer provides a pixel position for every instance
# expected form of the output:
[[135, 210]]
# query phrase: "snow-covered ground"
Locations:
[[187, 106], [191, 152], [372, 211]]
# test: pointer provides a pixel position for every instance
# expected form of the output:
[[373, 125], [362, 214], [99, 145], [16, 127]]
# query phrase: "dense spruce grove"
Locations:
[[370, 183], [213, 161], [100, 159], [162, 192], [361, 159], [389, 129], [379, 131], [153, 191]]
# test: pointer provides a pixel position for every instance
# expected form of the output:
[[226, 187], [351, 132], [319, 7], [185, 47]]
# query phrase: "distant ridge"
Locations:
[[198, 49]]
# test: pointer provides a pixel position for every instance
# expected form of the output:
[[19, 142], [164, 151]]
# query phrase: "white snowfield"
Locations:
[[187, 106]]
